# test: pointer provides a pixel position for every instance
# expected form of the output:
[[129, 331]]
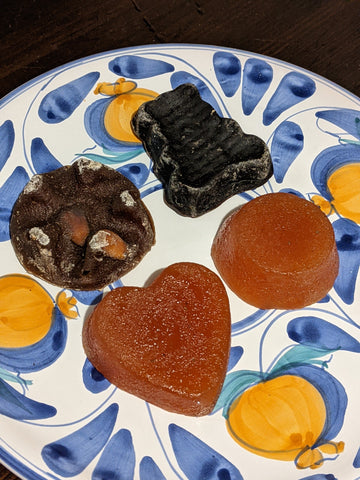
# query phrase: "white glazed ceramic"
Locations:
[[58, 417]]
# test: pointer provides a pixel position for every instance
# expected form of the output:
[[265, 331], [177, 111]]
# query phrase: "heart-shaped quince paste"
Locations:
[[168, 343]]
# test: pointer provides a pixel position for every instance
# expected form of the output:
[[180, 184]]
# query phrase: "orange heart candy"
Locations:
[[167, 343]]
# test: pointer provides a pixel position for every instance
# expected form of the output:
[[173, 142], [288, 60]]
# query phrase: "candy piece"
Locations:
[[59, 219], [109, 244], [201, 158], [75, 225], [277, 251], [167, 343]]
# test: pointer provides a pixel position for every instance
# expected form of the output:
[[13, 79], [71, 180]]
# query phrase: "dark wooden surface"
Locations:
[[320, 35]]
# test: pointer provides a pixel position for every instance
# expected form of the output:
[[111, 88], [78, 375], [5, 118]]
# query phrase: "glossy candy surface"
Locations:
[[167, 343], [277, 251]]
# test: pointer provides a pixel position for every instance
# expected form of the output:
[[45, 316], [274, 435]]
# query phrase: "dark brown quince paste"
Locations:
[[81, 226]]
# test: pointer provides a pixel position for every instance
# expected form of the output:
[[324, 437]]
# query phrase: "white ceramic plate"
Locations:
[[58, 419]]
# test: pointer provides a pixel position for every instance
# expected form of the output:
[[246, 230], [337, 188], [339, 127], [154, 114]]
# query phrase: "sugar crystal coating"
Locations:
[[277, 251], [62, 214], [167, 343], [201, 158]]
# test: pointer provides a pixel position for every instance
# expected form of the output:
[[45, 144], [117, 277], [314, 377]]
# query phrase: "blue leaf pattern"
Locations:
[[9, 192], [356, 462], [319, 333], [197, 460], [227, 68], [70, 455], [345, 118], [137, 173], [149, 470], [41, 157], [60, 103], [7, 137], [294, 87], [136, 67], [320, 476], [347, 237], [16, 405], [287, 143], [93, 380], [258, 76], [235, 354], [117, 461]]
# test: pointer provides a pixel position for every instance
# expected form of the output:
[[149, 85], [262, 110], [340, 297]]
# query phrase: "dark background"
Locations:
[[320, 35]]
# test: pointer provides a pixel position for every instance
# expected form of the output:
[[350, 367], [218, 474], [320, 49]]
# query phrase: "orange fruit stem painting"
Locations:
[[293, 411]]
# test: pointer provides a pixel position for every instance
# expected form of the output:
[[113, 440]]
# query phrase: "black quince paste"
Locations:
[[201, 158]]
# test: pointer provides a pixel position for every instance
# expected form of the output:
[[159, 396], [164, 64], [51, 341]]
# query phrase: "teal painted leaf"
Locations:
[[300, 354], [234, 385]]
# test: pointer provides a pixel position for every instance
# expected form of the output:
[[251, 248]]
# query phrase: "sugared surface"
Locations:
[[167, 343], [81, 226], [277, 251], [201, 158]]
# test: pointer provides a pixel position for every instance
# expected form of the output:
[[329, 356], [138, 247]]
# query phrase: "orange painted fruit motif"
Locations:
[[282, 419], [344, 189], [127, 99], [277, 251], [167, 343], [26, 311]]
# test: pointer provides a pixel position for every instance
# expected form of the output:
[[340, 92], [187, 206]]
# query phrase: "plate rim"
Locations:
[[93, 57]]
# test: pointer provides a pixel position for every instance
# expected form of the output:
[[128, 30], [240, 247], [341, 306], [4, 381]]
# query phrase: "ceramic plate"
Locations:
[[59, 418]]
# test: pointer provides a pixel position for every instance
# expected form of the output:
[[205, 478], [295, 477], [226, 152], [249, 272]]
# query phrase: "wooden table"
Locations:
[[320, 35]]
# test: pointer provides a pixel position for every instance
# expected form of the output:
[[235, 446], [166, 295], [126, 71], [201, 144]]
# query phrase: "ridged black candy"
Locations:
[[200, 158]]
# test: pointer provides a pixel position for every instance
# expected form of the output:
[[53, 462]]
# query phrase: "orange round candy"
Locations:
[[277, 251]]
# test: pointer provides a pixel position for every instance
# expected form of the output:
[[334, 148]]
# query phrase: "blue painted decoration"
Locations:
[[41, 157], [88, 297], [117, 461], [197, 460], [235, 354], [319, 333], [345, 118], [137, 173], [7, 137], [60, 103], [94, 125], [356, 462], [94, 381], [328, 161], [287, 143], [320, 476], [347, 237], [227, 68], [70, 455], [294, 87], [133, 66], [149, 470], [181, 77], [249, 321], [257, 78], [16, 405], [41, 354], [9, 192]]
